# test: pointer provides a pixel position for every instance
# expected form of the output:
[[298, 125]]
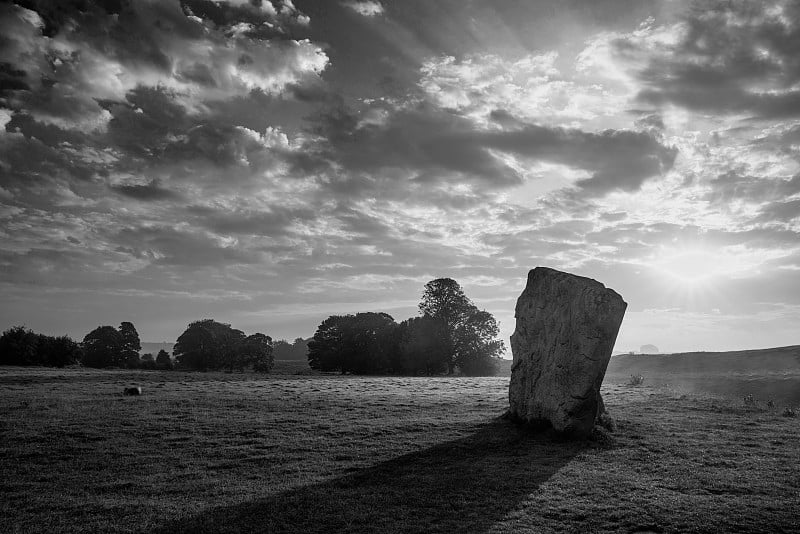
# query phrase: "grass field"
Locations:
[[288, 453], [766, 374]]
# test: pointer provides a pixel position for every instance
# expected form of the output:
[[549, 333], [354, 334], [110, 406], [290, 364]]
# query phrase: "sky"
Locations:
[[269, 163]]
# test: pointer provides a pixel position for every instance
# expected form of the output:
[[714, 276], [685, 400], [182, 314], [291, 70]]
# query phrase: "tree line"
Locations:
[[451, 334], [204, 345]]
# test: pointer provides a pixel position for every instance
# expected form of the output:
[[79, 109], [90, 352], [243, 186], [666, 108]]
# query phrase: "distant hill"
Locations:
[[779, 359], [153, 348]]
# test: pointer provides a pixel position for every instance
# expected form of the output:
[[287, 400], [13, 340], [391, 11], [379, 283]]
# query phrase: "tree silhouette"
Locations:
[[256, 350], [423, 347], [131, 344], [21, 346], [59, 351], [104, 347], [207, 344], [352, 343], [163, 361], [468, 332]]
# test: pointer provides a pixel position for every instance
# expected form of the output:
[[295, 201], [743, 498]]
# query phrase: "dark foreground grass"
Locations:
[[231, 452]]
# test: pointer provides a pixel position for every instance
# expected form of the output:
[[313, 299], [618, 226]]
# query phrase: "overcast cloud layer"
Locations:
[[269, 163]]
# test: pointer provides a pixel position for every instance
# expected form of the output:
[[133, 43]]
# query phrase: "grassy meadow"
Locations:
[[766, 374], [217, 452]]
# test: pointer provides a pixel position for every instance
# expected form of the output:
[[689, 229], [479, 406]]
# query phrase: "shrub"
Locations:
[[749, 400], [636, 380], [789, 412]]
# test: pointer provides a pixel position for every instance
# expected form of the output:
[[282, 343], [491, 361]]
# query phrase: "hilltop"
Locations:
[[778, 359]]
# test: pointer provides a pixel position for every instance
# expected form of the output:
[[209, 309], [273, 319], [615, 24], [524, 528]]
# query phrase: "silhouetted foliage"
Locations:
[[255, 351], [130, 344], [476, 351], [104, 347], [469, 333], [163, 361], [297, 350], [423, 347], [59, 351], [209, 345], [147, 362], [352, 343], [451, 334], [21, 346]]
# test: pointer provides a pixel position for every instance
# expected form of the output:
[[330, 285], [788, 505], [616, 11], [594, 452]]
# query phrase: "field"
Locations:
[[237, 452], [766, 374]]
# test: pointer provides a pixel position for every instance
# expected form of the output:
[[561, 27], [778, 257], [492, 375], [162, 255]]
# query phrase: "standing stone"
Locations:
[[566, 329]]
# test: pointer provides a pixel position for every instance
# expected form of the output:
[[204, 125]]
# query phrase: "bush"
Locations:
[[789, 412], [636, 380], [749, 400]]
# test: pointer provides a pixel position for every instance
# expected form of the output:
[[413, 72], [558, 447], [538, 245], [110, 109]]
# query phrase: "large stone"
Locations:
[[566, 329]]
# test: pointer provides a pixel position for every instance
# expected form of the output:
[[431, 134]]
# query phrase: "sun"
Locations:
[[693, 267]]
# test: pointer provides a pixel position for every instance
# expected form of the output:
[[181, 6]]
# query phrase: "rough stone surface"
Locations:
[[566, 329]]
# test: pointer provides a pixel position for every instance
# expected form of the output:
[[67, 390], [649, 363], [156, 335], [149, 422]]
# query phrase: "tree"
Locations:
[[104, 347], [19, 346], [163, 361], [147, 361], [443, 299], [422, 347], [256, 350], [131, 344], [326, 348], [206, 344], [468, 332], [59, 351], [352, 343], [476, 349]]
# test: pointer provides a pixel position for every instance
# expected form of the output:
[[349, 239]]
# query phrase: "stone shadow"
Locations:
[[465, 485]]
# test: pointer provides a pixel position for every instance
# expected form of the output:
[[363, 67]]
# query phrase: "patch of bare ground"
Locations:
[[237, 452]]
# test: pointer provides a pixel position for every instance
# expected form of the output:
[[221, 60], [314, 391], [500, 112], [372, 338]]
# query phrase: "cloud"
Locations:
[[151, 191], [368, 8], [731, 57], [780, 211], [436, 146], [89, 55], [732, 186], [533, 87], [183, 247]]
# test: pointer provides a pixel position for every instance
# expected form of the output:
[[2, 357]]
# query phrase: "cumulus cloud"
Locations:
[[730, 57], [434, 145], [368, 8], [62, 64], [531, 87]]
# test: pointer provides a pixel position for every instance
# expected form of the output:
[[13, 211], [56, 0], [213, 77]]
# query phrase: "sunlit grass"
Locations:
[[242, 452]]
